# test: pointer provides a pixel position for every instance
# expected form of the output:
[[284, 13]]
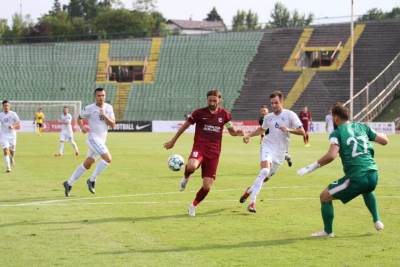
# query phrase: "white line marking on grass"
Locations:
[[63, 203]]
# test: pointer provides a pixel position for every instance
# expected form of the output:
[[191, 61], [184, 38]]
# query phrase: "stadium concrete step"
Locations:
[[151, 69], [102, 64], [300, 85], [121, 99]]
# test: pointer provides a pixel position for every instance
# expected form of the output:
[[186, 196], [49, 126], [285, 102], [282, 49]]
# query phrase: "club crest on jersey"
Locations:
[[220, 120], [276, 125]]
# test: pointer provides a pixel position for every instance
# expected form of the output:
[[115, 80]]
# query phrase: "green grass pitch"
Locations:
[[138, 217]]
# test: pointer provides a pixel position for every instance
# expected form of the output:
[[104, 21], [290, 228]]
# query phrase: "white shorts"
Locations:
[[267, 155], [66, 137], [9, 142], [96, 148]]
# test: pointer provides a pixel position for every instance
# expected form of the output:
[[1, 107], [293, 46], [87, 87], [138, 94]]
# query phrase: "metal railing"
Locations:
[[377, 94]]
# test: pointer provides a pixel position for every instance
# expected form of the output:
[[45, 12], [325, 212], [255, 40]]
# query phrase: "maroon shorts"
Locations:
[[208, 163]]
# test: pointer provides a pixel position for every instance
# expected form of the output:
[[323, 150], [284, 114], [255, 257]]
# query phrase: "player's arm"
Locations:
[[330, 156], [170, 144], [16, 125], [232, 131], [81, 125], [109, 121], [381, 139], [259, 131], [296, 131]]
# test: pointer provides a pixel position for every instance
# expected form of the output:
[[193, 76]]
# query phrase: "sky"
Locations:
[[198, 9]]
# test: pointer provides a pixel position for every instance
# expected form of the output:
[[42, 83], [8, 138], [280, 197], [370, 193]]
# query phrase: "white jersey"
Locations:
[[66, 123], [97, 126], [6, 119], [277, 141], [329, 123]]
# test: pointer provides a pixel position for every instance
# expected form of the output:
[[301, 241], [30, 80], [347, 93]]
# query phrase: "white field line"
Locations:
[[69, 201]]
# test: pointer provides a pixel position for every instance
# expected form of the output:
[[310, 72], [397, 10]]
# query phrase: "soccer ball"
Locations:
[[175, 162]]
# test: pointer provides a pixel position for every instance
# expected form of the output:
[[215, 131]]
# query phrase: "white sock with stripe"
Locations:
[[80, 170], [61, 149], [101, 165], [7, 161], [258, 183]]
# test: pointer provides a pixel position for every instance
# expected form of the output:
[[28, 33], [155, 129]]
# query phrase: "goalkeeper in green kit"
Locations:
[[352, 141]]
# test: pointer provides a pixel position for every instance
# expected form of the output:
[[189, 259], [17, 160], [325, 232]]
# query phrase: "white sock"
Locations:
[[7, 161], [74, 146], [101, 165], [61, 149], [258, 183], [77, 173]]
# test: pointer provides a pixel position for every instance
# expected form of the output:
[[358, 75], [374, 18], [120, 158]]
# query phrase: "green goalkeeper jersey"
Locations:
[[355, 148]]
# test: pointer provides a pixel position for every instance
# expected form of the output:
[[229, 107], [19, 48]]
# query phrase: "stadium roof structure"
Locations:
[[197, 25]]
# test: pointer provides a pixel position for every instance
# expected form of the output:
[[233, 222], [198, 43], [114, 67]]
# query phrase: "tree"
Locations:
[[113, 21], [245, 21], [377, 14], [56, 8], [239, 21], [213, 15], [3, 27], [251, 21], [373, 14], [20, 26], [281, 17]]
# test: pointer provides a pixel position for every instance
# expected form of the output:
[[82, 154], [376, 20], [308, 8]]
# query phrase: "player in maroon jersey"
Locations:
[[306, 119], [210, 122]]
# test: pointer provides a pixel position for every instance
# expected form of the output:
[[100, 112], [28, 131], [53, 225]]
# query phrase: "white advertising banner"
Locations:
[[381, 127], [27, 126], [170, 126]]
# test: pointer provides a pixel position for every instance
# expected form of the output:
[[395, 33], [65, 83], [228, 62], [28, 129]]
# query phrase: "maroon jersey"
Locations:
[[209, 128], [305, 117]]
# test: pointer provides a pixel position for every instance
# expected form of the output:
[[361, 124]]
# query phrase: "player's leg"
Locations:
[[6, 157], [288, 158], [74, 145], [79, 171], [194, 162], [12, 149], [327, 213], [371, 201], [101, 165], [208, 173], [61, 145], [343, 189]]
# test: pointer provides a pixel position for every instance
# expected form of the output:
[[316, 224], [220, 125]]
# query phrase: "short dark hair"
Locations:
[[341, 111], [264, 106], [5, 101], [214, 92], [98, 89], [276, 94]]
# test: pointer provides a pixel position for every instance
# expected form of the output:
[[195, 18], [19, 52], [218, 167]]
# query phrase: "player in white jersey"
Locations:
[[66, 134], [8, 137], [99, 116], [280, 123], [329, 122]]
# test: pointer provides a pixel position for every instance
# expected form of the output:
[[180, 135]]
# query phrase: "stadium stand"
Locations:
[[375, 48], [189, 66], [245, 66]]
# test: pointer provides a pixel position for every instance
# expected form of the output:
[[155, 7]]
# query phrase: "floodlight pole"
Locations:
[[352, 61]]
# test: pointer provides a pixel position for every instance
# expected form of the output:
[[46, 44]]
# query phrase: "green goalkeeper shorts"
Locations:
[[347, 188]]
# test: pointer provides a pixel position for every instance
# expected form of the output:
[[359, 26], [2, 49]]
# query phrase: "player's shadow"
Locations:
[[248, 244], [113, 219]]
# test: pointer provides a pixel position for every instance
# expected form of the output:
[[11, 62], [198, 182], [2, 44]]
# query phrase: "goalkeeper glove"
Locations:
[[307, 169]]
